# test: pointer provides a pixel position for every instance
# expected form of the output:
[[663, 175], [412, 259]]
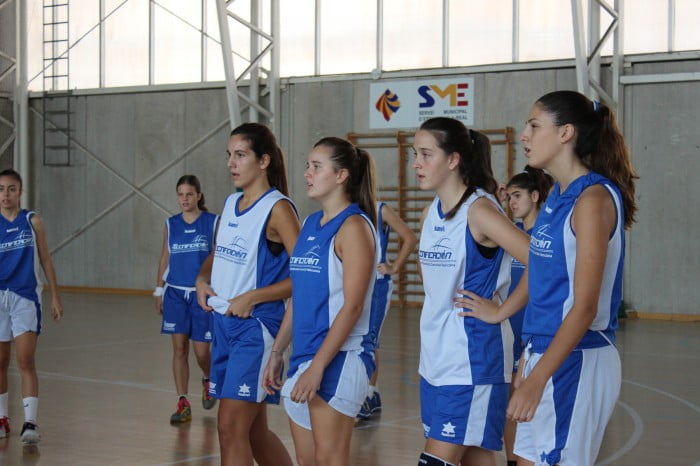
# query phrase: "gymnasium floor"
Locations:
[[107, 394]]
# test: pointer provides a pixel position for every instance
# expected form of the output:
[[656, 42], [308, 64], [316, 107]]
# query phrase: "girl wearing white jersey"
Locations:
[[571, 369], [245, 281], [22, 249], [187, 242], [333, 270], [465, 365]]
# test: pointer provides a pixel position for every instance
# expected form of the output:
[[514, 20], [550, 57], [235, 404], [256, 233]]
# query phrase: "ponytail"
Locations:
[[361, 184], [194, 182], [366, 191], [277, 172], [474, 149], [612, 160], [262, 141], [599, 143]]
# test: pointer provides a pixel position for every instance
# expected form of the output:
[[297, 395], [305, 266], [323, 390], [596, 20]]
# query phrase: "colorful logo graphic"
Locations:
[[388, 104], [455, 92]]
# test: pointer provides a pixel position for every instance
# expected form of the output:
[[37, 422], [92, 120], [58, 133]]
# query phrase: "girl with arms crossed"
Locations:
[[465, 364], [333, 271], [571, 371], [22, 248], [245, 281], [187, 242]]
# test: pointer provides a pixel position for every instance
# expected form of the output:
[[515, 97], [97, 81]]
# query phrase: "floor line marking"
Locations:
[[692, 406], [632, 441]]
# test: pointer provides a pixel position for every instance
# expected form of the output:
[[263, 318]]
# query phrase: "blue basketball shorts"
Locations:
[[239, 354], [18, 315], [577, 402], [471, 415], [182, 314], [344, 387]]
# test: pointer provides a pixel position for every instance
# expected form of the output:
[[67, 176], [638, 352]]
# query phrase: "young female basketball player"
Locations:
[[526, 192], [333, 271], [387, 220], [22, 247], [245, 281], [465, 364], [571, 370], [187, 242]]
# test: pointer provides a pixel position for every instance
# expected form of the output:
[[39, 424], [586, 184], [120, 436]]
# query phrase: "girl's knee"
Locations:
[[26, 364]]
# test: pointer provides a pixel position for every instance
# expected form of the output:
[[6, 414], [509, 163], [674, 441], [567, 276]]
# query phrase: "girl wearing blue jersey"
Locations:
[[22, 248], [187, 241], [387, 220], [571, 369], [526, 192], [333, 270], [245, 280], [465, 365]]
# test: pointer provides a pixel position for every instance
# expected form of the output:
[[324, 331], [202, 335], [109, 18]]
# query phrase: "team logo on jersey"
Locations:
[[236, 251], [439, 254], [198, 243], [244, 390], [541, 241], [12, 230], [448, 430], [191, 230], [437, 228], [307, 262], [233, 225], [24, 239], [543, 230]]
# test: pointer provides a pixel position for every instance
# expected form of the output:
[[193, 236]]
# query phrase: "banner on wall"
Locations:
[[406, 104]]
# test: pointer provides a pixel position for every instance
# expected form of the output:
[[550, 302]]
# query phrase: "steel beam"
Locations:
[[261, 82]]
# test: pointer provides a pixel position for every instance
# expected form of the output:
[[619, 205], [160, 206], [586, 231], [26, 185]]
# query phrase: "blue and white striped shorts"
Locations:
[[576, 404]]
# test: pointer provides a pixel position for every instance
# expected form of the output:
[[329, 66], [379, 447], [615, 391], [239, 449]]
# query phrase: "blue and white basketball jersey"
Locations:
[[189, 245], [243, 260], [317, 283], [19, 258], [552, 261], [461, 350], [516, 320], [516, 267], [383, 231]]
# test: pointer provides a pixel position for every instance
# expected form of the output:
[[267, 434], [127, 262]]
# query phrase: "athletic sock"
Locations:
[[31, 407], [3, 405]]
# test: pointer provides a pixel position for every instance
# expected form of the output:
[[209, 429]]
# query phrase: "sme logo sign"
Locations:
[[406, 104]]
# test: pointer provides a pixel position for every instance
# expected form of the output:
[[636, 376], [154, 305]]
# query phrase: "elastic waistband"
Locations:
[[183, 288], [591, 339]]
